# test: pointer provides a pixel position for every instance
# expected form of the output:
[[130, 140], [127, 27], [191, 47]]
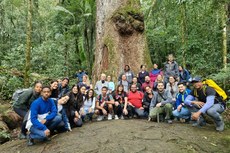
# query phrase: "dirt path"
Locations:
[[129, 136]]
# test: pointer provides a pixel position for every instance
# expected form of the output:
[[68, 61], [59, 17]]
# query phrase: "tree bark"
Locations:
[[120, 37], [28, 43]]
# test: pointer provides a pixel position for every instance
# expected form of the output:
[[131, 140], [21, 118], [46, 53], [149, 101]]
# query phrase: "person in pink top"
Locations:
[[154, 73], [135, 102]]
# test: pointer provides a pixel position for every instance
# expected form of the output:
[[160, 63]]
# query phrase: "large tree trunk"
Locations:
[[28, 43], [120, 37]]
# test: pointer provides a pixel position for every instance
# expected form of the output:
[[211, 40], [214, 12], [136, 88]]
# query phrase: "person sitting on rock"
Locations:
[[135, 102], [104, 105], [43, 117], [181, 111], [22, 105], [204, 100], [161, 104], [120, 102]]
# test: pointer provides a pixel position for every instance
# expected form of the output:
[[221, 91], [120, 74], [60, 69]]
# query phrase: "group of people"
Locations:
[[158, 95]]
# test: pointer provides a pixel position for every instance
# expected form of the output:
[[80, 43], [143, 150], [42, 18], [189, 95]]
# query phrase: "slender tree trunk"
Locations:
[[183, 32], [120, 37], [224, 19], [28, 43], [224, 34]]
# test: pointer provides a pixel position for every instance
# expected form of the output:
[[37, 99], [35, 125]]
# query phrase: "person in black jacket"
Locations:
[[73, 106]]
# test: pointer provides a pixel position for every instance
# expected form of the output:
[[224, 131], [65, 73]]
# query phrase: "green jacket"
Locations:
[[25, 99]]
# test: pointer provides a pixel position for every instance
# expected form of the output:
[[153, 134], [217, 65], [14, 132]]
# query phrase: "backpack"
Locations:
[[209, 82], [18, 93]]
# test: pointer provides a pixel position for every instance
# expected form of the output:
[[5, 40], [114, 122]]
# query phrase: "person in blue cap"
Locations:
[[204, 100]]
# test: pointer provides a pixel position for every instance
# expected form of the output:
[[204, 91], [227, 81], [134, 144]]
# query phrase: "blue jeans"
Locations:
[[40, 134], [214, 112], [183, 113]]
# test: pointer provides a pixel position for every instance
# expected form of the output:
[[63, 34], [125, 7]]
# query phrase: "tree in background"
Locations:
[[120, 37]]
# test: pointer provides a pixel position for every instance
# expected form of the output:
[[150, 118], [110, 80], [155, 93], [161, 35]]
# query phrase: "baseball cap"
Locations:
[[196, 79]]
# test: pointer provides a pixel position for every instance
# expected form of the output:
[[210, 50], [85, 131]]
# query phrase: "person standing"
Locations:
[[142, 74], [171, 68]]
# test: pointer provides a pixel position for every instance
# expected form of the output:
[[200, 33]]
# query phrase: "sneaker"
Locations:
[[116, 117], [110, 117], [149, 119], [220, 125], [30, 142], [100, 118], [169, 121], [122, 117], [22, 136]]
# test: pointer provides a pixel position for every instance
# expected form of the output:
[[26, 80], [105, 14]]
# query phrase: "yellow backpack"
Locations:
[[218, 89]]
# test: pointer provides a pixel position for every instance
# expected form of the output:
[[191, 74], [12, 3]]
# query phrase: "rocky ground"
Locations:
[[129, 136]]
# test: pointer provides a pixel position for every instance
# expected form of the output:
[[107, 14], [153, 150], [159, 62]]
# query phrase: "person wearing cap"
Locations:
[[181, 111], [202, 100]]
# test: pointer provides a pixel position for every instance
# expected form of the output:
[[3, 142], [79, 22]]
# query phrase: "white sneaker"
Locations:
[[110, 117], [116, 117], [100, 118], [122, 117]]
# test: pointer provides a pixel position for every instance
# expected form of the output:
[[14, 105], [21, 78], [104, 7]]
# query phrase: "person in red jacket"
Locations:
[[135, 102]]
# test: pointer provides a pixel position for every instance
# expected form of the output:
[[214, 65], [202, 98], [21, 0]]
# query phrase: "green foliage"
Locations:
[[203, 33], [4, 134]]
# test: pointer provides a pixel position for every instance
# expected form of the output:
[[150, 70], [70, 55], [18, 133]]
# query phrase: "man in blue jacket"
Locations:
[[204, 100], [181, 111], [43, 117]]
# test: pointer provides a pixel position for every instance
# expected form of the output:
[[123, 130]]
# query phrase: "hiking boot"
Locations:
[[100, 118], [22, 136], [220, 125], [200, 122], [116, 117], [110, 117], [30, 142]]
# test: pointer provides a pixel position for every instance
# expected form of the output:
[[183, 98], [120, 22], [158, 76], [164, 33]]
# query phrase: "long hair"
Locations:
[[117, 89], [75, 100], [87, 95]]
